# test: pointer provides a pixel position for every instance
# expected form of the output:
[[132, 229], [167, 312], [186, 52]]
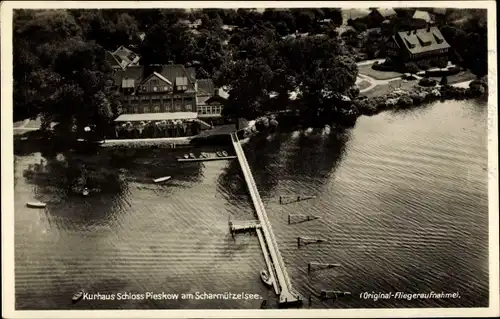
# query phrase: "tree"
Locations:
[[350, 37], [165, 43], [444, 81]]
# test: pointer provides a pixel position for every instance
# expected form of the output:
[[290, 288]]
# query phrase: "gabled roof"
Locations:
[[113, 61], [422, 15], [423, 40], [122, 58], [386, 12], [133, 72], [168, 72]]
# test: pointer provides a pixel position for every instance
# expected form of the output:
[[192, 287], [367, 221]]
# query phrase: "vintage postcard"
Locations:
[[249, 159]]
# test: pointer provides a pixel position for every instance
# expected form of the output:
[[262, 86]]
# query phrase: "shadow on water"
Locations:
[[316, 156], [60, 176], [273, 156]]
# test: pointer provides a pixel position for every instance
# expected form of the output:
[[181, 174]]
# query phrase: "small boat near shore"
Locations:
[[219, 154], [162, 179], [186, 156], [85, 192], [191, 155], [266, 278], [77, 296], [224, 153], [36, 204]]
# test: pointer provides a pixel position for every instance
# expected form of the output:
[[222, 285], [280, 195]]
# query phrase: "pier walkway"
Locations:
[[283, 287]]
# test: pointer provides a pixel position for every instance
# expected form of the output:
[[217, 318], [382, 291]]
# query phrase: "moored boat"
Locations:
[[224, 153], [219, 154], [77, 296], [266, 278], [186, 156], [36, 204], [191, 155], [162, 179]]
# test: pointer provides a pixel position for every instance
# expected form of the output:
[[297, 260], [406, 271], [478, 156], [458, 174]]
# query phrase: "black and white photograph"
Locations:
[[287, 159]]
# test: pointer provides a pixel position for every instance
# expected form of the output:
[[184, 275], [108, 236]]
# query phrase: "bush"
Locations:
[[444, 81], [427, 82], [423, 65], [405, 100], [411, 68], [353, 92], [382, 67]]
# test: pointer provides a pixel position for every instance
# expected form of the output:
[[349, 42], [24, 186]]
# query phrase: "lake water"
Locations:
[[402, 199]]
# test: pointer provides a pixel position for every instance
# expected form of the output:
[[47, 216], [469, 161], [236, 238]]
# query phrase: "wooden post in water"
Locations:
[[298, 242], [288, 219], [310, 300]]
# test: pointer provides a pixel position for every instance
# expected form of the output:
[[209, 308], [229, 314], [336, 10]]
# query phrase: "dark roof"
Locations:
[[216, 98], [421, 40], [169, 71], [133, 72], [205, 87], [113, 62]]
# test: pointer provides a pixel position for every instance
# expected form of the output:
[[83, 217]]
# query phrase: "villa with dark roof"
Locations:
[[417, 45], [157, 101]]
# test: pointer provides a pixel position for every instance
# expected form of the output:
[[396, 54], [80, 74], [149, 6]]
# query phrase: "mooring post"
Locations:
[[280, 200], [288, 219], [309, 270], [298, 242]]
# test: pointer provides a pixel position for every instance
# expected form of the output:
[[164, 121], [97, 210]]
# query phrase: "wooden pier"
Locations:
[[205, 159], [287, 296]]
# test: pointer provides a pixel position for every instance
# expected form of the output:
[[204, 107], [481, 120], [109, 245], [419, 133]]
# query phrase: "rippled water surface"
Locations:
[[402, 199]]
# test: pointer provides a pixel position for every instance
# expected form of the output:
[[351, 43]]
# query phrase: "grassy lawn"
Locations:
[[387, 88], [363, 84], [457, 78], [378, 75]]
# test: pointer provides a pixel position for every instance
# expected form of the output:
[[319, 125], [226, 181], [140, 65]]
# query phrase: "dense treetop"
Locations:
[[60, 70]]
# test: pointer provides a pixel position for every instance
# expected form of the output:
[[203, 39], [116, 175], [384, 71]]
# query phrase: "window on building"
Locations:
[[155, 88], [157, 108], [177, 105], [145, 109], [165, 88], [167, 105]]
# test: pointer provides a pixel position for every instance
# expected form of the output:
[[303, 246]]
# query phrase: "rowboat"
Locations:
[[162, 179], [219, 154], [224, 153], [186, 156], [264, 275], [77, 296], [191, 155], [36, 204]]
